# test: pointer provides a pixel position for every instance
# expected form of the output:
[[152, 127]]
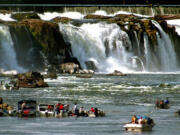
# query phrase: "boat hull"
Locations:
[[138, 127]]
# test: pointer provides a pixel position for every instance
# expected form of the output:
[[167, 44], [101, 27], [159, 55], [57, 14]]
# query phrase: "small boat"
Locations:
[[163, 104], [138, 127], [139, 124], [27, 108], [84, 75], [177, 113], [46, 110], [95, 113]]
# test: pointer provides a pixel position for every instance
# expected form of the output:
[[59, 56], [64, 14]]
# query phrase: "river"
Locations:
[[119, 97]]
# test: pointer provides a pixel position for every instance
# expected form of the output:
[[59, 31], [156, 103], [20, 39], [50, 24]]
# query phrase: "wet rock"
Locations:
[[91, 65], [69, 68], [167, 17], [31, 80], [21, 16], [92, 16], [61, 19]]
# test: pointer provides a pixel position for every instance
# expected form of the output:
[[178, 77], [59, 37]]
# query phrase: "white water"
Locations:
[[88, 43], [6, 17], [166, 51], [8, 55], [176, 23]]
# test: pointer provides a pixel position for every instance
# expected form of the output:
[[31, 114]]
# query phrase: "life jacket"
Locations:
[[61, 107], [92, 109]]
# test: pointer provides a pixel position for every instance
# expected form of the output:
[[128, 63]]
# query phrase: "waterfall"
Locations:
[[7, 53], [105, 44], [166, 51]]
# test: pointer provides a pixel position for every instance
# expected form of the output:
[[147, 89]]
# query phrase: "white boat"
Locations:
[[46, 110], [138, 127]]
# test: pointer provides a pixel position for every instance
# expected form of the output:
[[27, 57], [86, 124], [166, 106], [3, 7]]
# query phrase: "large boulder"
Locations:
[[69, 68], [30, 80]]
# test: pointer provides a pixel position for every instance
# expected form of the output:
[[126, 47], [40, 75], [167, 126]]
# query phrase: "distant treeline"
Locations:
[[155, 2]]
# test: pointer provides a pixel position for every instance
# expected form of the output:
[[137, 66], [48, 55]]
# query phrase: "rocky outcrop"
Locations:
[[45, 39], [61, 19], [27, 15], [30, 80]]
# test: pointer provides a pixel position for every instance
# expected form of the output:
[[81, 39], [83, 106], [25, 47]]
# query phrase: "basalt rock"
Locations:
[[30, 80]]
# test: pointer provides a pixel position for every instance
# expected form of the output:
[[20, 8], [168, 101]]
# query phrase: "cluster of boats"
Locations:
[[30, 108]]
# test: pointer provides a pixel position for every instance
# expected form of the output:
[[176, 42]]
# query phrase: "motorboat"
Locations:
[[139, 124], [27, 108], [46, 110]]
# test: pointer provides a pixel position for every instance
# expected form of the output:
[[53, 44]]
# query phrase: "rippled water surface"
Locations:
[[119, 97]]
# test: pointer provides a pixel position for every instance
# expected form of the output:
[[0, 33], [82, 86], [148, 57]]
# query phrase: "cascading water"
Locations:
[[166, 51], [7, 53], [105, 44]]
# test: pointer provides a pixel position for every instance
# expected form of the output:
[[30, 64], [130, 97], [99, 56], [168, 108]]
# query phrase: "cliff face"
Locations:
[[37, 43]]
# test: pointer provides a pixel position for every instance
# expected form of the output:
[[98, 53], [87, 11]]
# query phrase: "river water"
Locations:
[[119, 97]]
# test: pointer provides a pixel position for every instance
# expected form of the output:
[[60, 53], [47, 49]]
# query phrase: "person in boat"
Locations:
[[23, 106], [75, 109], [61, 107], [161, 104], [96, 112], [134, 119], [50, 108], [66, 108], [157, 103], [92, 110], [166, 101], [57, 108]]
